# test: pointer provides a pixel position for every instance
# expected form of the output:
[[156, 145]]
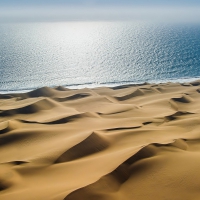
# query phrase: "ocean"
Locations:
[[95, 54]]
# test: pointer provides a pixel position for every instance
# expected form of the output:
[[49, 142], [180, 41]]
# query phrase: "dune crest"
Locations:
[[127, 142]]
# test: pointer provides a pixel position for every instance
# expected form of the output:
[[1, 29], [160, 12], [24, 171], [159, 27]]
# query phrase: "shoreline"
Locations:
[[110, 85], [127, 142]]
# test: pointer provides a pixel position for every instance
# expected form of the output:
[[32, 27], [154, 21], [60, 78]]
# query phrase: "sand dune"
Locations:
[[128, 142]]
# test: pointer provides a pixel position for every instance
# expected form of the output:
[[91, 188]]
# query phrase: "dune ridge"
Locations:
[[126, 142]]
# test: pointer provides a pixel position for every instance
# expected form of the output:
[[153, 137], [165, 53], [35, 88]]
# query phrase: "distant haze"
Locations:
[[67, 10]]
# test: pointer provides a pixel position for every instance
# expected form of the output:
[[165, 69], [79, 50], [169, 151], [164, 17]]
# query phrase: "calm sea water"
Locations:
[[89, 54]]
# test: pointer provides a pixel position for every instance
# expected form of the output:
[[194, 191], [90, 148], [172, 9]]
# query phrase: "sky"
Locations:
[[99, 2], [62, 10]]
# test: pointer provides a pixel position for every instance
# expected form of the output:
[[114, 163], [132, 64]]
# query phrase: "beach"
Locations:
[[108, 143]]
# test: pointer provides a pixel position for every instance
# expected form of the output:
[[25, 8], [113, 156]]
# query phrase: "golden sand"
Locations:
[[133, 142]]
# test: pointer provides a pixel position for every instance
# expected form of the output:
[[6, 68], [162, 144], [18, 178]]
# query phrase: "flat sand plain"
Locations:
[[132, 142]]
